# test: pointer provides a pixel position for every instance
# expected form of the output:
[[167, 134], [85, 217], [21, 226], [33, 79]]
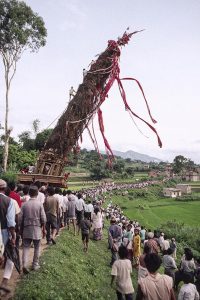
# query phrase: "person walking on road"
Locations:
[[33, 220], [7, 219], [51, 207]]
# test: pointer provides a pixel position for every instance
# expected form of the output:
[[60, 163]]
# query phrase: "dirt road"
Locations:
[[16, 276]]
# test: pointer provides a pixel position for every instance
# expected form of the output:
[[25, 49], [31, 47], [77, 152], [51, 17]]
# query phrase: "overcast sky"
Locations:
[[164, 58]]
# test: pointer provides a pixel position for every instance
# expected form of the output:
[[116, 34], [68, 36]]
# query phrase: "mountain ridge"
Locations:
[[133, 155]]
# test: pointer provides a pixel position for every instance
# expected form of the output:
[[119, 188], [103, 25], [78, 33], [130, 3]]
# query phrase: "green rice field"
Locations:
[[153, 214]]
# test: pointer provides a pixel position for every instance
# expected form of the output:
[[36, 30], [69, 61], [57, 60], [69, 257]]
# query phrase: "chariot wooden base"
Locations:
[[44, 179]]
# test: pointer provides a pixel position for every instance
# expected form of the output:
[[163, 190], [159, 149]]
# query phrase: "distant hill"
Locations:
[[136, 156]]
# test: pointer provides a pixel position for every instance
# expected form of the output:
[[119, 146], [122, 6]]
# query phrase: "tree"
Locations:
[[41, 138], [180, 163], [26, 141], [99, 170], [24, 136], [130, 171], [36, 126], [21, 158], [119, 166], [128, 160], [20, 29], [11, 140], [190, 165]]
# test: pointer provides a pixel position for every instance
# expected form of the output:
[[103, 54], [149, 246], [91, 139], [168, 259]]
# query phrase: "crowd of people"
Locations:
[[133, 246], [30, 213]]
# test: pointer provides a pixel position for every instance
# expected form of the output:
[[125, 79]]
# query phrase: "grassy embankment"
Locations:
[[67, 273]]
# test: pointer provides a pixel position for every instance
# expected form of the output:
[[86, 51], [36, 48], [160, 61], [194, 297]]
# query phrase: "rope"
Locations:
[[54, 120], [73, 122], [137, 125]]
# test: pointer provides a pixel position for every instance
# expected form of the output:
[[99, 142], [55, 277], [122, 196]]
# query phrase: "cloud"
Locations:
[[196, 142], [67, 25], [75, 9], [75, 16]]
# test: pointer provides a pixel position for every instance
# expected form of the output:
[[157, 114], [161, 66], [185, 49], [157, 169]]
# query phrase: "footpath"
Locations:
[[16, 276], [68, 273]]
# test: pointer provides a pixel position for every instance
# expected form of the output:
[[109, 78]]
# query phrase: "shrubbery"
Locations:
[[188, 198], [9, 176], [185, 235], [149, 193]]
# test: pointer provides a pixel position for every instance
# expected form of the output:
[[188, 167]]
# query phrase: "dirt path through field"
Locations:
[[16, 276]]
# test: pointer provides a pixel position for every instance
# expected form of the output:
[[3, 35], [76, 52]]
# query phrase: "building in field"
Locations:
[[192, 176], [168, 171], [154, 173], [185, 188], [172, 192]]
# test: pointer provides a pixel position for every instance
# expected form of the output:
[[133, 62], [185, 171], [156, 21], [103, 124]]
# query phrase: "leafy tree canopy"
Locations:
[[41, 138], [24, 136], [36, 125], [180, 163], [26, 141], [119, 166], [12, 140], [19, 157], [20, 28]]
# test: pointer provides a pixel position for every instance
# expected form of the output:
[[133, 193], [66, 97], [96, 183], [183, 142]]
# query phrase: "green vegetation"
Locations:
[[150, 208], [9, 176], [24, 152], [185, 235], [195, 183], [182, 163], [178, 218], [187, 198], [77, 186], [68, 273], [21, 29]]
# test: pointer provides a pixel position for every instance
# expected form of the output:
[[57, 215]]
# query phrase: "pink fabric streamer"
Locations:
[[103, 93]]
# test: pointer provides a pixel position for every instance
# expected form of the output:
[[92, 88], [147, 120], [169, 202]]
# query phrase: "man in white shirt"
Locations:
[[41, 196], [65, 202], [188, 290], [58, 195], [72, 93], [121, 272], [80, 205], [165, 245], [155, 285], [161, 239], [89, 209]]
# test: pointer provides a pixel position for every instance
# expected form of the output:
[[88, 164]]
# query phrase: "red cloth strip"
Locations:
[[100, 156], [128, 78], [101, 126], [93, 141], [122, 92]]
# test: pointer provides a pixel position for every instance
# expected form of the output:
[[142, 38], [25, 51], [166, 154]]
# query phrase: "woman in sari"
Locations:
[[136, 246], [97, 224]]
